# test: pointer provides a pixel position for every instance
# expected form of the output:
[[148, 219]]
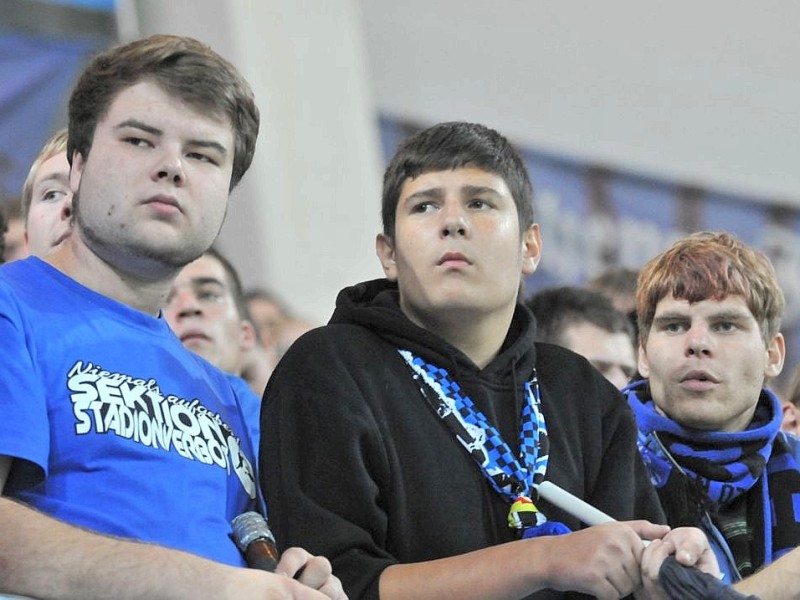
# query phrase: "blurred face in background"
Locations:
[[610, 353], [268, 317], [202, 312], [50, 213]]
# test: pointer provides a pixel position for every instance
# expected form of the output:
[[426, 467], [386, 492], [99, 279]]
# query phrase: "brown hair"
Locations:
[[183, 67], [454, 145], [711, 265]]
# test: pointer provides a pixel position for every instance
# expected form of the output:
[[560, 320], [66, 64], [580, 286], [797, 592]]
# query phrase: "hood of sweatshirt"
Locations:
[[375, 306]]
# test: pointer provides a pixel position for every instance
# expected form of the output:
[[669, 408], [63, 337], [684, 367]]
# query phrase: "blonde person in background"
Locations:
[[47, 198], [44, 213]]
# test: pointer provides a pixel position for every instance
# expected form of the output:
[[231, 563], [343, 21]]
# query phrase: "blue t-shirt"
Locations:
[[112, 424]]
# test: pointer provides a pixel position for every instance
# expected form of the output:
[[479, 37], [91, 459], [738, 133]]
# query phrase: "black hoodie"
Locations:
[[356, 466]]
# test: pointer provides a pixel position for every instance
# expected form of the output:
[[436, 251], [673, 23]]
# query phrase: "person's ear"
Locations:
[[643, 363], [76, 171], [776, 354], [789, 421], [247, 336], [531, 249], [384, 248]]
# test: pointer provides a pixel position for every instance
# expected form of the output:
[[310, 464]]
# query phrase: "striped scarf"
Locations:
[[722, 474]]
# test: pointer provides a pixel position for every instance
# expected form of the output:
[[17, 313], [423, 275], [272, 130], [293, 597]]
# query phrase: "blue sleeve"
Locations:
[[24, 429]]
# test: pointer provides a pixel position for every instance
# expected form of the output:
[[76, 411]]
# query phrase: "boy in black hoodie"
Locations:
[[405, 440]]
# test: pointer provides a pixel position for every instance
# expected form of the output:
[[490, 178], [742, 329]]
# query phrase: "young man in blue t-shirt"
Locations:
[[112, 431]]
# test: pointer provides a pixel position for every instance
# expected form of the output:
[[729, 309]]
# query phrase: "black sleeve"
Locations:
[[322, 464]]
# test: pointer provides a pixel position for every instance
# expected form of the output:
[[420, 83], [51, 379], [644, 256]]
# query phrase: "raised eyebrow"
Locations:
[[429, 194]]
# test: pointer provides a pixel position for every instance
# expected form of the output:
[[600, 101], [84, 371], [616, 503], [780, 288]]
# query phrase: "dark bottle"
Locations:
[[253, 537]]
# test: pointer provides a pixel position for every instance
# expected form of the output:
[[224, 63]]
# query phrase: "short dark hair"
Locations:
[[557, 308], [453, 145], [234, 282], [615, 280], [183, 67]]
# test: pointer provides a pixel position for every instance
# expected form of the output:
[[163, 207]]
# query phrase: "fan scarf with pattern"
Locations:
[[513, 477], [714, 469]]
